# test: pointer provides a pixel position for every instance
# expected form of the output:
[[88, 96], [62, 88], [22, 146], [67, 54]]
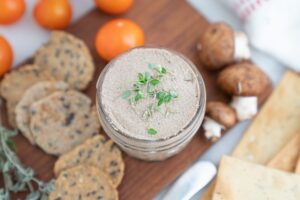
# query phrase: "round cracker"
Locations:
[[15, 83], [11, 115], [80, 154], [33, 94], [83, 182], [113, 162], [62, 37], [63, 120], [66, 62], [96, 151]]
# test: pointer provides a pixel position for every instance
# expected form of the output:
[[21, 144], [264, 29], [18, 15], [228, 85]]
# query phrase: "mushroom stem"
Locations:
[[212, 129], [241, 47], [245, 107]]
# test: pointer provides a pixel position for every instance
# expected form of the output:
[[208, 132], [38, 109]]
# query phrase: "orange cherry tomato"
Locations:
[[117, 36], [53, 14], [6, 56], [11, 10], [114, 6]]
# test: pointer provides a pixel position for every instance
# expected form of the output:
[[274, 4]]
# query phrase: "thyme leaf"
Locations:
[[17, 177], [152, 131]]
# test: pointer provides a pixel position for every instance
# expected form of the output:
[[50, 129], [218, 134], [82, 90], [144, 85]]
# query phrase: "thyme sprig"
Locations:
[[145, 86], [16, 177]]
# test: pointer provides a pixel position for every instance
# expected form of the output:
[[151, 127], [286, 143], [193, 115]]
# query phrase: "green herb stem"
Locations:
[[25, 176]]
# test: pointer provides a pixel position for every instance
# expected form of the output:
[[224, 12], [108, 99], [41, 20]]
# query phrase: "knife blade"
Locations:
[[191, 181]]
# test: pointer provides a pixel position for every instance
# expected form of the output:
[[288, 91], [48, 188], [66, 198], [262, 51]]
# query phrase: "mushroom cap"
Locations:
[[243, 79], [221, 113], [216, 46]]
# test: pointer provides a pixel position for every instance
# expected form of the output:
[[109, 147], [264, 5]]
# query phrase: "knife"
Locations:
[[193, 180]]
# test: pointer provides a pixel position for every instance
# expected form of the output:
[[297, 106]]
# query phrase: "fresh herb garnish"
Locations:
[[16, 177], [146, 86], [145, 79], [152, 131], [160, 69], [165, 97], [154, 82], [139, 95]]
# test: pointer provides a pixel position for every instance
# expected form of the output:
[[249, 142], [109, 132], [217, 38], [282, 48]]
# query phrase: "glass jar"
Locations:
[[159, 148]]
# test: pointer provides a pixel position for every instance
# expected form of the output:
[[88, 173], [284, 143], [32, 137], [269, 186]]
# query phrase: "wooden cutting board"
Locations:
[[168, 23]]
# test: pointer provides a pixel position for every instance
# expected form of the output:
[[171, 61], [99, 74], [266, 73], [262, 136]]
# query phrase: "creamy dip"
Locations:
[[135, 119]]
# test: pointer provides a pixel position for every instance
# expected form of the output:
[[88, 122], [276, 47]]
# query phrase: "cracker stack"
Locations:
[[64, 58], [44, 102]]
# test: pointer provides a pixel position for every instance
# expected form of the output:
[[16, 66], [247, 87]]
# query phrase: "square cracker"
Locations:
[[239, 179], [286, 159], [273, 127], [298, 166]]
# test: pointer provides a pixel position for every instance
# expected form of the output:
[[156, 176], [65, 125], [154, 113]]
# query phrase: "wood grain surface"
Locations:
[[168, 23]]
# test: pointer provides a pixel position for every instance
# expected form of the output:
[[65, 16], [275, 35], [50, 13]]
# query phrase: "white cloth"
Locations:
[[273, 26]]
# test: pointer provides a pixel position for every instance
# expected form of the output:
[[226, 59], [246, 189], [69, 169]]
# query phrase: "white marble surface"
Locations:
[[26, 36]]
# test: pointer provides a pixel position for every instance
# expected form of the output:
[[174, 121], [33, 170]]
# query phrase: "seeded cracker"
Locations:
[[63, 120], [84, 183], [33, 94], [99, 152], [10, 108], [62, 37], [15, 83], [69, 61]]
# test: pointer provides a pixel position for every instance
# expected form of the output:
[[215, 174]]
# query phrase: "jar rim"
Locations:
[[201, 103]]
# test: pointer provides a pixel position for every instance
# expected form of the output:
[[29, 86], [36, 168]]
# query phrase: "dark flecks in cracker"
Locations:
[[89, 154], [66, 105], [33, 112], [113, 163], [78, 132], [67, 77], [81, 71], [86, 116], [67, 51], [69, 119], [99, 158], [24, 107], [81, 153], [114, 173], [87, 124], [72, 184], [113, 147], [66, 175], [50, 144], [54, 71], [57, 52], [36, 128], [62, 98]]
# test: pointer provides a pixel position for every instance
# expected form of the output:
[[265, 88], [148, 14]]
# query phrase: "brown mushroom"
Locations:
[[243, 79], [219, 45], [219, 116], [221, 113]]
